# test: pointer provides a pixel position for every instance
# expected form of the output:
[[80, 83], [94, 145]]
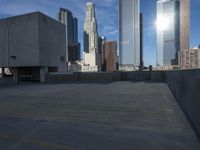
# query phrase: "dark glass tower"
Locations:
[[73, 47]]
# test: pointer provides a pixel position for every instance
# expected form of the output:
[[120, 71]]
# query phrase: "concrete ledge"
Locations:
[[59, 77], [185, 85], [107, 76]]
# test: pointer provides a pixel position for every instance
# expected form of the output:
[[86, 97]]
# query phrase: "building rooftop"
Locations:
[[112, 116]]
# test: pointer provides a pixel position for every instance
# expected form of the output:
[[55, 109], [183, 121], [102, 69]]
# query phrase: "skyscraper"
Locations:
[[73, 47], [141, 41], [184, 32], [184, 24], [75, 28], [129, 34], [91, 56], [168, 32], [109, 56]]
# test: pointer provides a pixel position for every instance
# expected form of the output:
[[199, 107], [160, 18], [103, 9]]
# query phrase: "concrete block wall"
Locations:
[[185, 85]]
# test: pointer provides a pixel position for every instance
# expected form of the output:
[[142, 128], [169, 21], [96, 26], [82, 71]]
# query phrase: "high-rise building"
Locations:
[[91, 56], [75, 30], [168, 32], [73, 47], [184, 33], [109, 55], [129, 34], [101, 39], [74, 52], [184, 24], [178, 28], [141, 41]]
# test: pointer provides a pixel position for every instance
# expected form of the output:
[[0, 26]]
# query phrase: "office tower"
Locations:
[[109, 55], [168, 33], [74, 52], [141, 41], [91, 56], [101, 39], [184, 33], [75, 28], [184, 24], [71, 22], [129, 34]]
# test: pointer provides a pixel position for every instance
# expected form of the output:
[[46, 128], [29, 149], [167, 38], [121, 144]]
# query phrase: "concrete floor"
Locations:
[[95, 116]]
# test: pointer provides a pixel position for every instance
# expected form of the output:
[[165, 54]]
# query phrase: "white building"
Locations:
[[91, 56]]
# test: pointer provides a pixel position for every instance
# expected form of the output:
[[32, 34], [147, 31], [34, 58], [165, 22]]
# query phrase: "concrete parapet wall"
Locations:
[[83, 76], [158, 76], [59, 77], [185, 85], [107, 76]]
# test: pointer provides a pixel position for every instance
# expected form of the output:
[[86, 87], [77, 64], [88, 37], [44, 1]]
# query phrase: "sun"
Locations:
[[163, 23]]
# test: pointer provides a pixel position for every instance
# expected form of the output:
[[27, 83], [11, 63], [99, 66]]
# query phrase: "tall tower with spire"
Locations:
[[91, 55]]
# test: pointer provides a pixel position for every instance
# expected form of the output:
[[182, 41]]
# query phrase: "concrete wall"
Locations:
[[185, 85], [32, 40], [106, 76], [52, 39], [19, 38]]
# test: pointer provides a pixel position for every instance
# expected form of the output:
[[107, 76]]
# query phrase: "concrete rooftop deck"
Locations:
[[96, 116]]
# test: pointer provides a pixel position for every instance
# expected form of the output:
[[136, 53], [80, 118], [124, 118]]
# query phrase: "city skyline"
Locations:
[[106, 9]]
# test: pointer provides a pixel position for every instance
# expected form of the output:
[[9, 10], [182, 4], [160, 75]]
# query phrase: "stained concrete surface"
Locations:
[[93, 116]]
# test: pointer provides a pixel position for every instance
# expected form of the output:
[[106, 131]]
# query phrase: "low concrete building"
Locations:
[[32, 45]]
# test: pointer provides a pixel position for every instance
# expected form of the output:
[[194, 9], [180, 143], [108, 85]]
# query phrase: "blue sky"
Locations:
[[106, 11]]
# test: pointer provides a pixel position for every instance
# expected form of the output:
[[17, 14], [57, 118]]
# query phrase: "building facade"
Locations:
[[168, 32], [190, 59], [91, 55], [32, 45], [184, 54], [184, 25], [129, 34], [109, 56], [73, 47]]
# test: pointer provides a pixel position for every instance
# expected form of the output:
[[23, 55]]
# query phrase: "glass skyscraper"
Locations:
[[73, 47], [168, 32], [129, 34]]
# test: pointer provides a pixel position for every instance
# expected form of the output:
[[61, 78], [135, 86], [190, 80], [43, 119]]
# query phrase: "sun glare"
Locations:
[[163, 23]]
